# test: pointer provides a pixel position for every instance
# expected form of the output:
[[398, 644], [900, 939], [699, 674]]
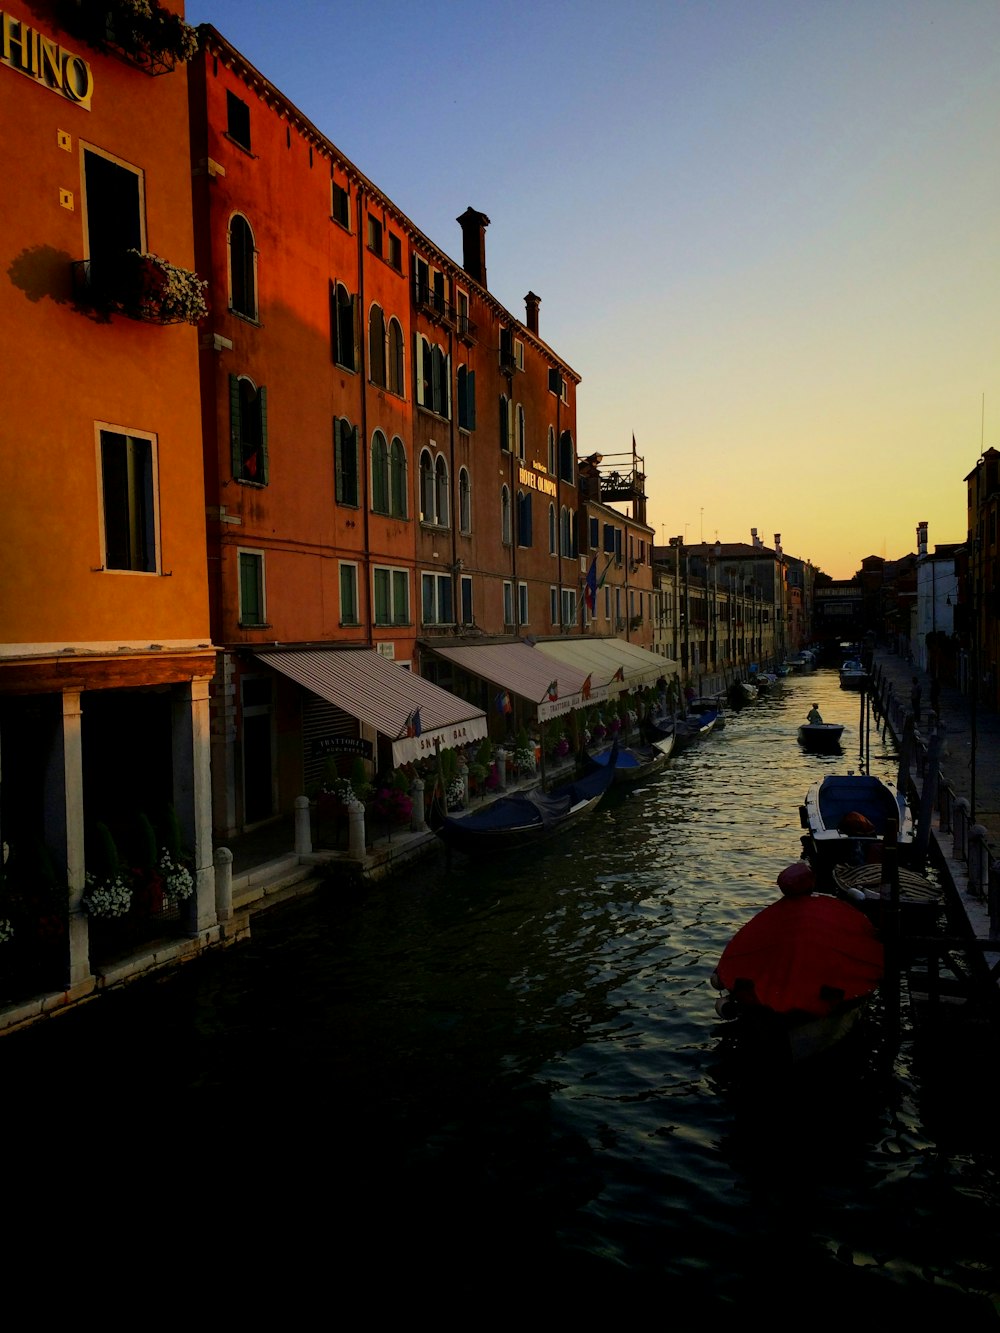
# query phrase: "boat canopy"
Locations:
[[383, 695]]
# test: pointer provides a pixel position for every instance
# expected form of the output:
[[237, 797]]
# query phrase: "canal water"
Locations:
[[508, 1082]]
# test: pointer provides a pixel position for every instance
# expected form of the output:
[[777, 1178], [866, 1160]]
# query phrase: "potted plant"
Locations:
[[107, 894]]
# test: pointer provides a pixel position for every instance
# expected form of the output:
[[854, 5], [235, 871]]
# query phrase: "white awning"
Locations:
[[384, 696], [605, 658], [522, 670]]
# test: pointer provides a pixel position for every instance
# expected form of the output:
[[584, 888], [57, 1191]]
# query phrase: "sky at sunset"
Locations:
[[766, 233]]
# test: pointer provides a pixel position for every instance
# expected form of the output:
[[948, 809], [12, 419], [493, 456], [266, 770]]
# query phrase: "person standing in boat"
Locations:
[[814, 716]]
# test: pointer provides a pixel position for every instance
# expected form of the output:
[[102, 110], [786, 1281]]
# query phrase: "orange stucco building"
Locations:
[[105, 647], [390, 454]]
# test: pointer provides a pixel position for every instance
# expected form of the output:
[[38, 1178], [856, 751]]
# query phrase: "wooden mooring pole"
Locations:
[[889, 926]]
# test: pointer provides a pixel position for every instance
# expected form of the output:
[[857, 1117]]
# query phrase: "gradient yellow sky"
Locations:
[[764, 231]]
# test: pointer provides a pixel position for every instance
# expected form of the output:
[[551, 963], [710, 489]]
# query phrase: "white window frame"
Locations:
[[432, 615], [508, 602], [522, 603], [394, 619], [105, 427], [568, 606]]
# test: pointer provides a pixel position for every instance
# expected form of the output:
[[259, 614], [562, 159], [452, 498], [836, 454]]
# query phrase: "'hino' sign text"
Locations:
[[42, 58]]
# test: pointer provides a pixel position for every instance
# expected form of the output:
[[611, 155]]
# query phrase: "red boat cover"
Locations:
[[806, 955]]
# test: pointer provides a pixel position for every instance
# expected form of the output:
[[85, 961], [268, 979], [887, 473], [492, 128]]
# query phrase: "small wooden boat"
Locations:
[[635, 762], [853, 676], [684, 730], [821, 737], [523, 819], [801, 971], [847, 816], [920, 901]]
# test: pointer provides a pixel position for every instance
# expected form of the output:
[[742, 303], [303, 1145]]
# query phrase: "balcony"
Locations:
[[635, 622], [466, 329], [432, 303], [144, 35], [139, 286]]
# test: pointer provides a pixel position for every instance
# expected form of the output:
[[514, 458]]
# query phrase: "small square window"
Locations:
[[374, 235], [396, 252], [238, 120]]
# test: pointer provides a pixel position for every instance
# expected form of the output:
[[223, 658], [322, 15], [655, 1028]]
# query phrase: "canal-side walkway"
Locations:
[[968, 771]]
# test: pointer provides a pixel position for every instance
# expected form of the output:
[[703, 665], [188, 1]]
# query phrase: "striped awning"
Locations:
[[606, 658], [520, 669], [385, 696]]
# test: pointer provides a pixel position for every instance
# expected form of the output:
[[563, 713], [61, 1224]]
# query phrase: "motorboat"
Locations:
[[853, 675], [847, 817]]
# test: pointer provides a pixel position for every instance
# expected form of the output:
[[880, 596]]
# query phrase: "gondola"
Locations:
[[524, 819], [634, 762], [799, 973]]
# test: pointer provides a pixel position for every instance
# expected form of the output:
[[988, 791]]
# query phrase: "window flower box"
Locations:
[[145, 287], [141, 32]]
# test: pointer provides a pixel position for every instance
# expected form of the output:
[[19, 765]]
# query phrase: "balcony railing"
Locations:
[[140, 286], [432, 302]]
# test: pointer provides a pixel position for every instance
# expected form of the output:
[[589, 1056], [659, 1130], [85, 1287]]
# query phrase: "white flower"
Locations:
[[6, 929], [107, 898], [455, 794], [178, 882]]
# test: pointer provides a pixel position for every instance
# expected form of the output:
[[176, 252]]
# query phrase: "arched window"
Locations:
[[464, 501], [242, 268], [426, 487], [552, 530], [506, 424], [380, 474], [505, 535], [376, 346], [443, 505], [466, 398], [574, 536], [248, 430], [398, 506], [395, 368], [343, 327], [565, 533], [567, 456], [521, 433], [552, 451], [524, 518]]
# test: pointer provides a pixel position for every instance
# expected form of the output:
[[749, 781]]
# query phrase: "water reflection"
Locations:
[[514, 1071]]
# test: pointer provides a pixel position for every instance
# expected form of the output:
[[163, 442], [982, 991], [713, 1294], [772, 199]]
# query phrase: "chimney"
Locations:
[[531, 304], [474, 226], [922, 537]]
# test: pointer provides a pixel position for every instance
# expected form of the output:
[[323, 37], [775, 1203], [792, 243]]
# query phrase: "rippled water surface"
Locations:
[[513, 1075]]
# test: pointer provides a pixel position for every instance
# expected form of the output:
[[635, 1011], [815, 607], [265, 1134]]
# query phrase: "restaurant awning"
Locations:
[[522, 670], [605, 658], [384, 696]]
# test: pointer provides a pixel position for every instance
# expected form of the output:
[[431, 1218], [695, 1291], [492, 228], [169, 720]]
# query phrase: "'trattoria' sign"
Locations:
[[42, 58]]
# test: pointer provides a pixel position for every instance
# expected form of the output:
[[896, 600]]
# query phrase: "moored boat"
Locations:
[[821, 737], [523, 819], [847, 816], [802, 969], [634, 763], [853, 676]]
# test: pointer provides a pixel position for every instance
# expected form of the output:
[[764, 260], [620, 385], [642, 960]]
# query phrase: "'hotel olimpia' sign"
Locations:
[[41, 58]]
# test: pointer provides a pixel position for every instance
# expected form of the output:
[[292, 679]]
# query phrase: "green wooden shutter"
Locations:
[[264, 469], [470, 396], [235, 431], [338, 462]]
